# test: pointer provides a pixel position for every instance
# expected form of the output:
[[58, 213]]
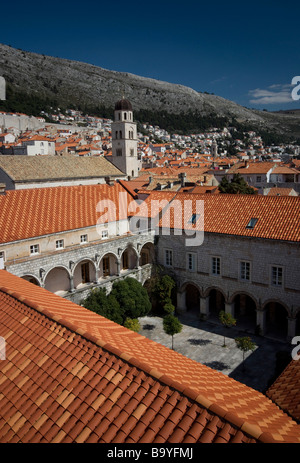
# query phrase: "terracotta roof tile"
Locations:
[[128, 405], [39, 211], [278, 216], [285, 391]]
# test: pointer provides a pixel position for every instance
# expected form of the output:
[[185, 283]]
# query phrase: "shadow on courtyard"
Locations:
[[260, 367]]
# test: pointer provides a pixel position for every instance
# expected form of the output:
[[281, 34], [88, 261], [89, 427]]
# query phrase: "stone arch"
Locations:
[[58, 280], [216, 288], [216, 300], [245, 308], [188, 297], [146, 254], [84, 272], [32, 279], [109, 265], [277, 314], [129, 258]]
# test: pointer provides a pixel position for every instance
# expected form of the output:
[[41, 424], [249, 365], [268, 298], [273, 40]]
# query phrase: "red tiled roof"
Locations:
[[71, 375], [39, 211], [278, 216], [276, 191], [252, 168], [285, 390]]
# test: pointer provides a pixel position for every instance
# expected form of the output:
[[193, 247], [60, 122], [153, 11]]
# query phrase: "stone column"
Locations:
[[181, 303], [291, 331], [261, 316], [229, 308], [118, 267], [96, 275], [204, 307], [72, 284]]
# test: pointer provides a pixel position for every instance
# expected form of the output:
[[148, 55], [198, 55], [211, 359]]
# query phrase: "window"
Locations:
[[132, 152], [34, 249], [245, 271], [104, 233], [119, 152], [194, 218], [191, 261], [83, 239], [277, 276], [2, 260], [252, 222], [59, 244], [216, 266], [258, 178], [168, 257]]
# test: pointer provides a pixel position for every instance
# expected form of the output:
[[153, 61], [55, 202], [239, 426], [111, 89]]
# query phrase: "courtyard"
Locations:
[[203, 341]]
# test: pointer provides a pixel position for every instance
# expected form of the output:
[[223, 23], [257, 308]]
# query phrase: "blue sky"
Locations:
[[247, 52]]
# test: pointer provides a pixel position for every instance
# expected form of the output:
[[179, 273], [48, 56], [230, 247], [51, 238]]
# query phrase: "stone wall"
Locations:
[[262, 255]]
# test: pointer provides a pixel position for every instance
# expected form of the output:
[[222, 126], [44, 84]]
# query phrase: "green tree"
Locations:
[[171, 325], [106, 305], [237, 185], [132, 298], [127, 299], [245, 344], [164, 289], [132, 324], [227, 320]]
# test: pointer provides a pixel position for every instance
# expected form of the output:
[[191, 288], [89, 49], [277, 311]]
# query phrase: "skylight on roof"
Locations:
[[252, 223], [194, 218]]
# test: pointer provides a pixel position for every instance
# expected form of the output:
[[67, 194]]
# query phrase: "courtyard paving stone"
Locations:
[[203, 341]]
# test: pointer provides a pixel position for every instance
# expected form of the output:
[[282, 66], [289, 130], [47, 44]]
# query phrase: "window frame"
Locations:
[[59, 247], [85, 237], [193, 261], [32, 247], [247, 263], [275, 284], [218, 260], [168, 258]]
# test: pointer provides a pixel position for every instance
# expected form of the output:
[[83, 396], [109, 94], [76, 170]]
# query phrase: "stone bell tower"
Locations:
[[124, 140]]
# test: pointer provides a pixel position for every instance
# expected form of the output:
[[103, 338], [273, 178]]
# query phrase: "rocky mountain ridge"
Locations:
[[74, 82]]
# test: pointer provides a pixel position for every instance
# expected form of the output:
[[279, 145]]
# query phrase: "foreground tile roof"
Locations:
[[285, 390], [71, 375]]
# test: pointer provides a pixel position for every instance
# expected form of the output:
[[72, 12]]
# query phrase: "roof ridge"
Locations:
[[251, 429]]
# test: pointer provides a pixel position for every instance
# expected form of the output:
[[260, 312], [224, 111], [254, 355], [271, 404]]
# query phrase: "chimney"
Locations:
[[150, 179], [109, 181], [182, 177]]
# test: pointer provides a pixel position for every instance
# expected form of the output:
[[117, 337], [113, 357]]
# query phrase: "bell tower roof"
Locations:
[[123, 105]]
